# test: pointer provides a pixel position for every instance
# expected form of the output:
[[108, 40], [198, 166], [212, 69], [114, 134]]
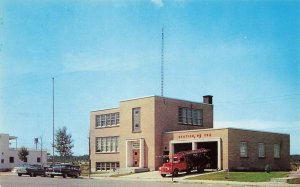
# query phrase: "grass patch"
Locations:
[[294, 181], [241, 176]]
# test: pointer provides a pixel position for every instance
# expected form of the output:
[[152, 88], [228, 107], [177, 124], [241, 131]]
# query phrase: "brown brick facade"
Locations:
[[158, 115], [160, 131]]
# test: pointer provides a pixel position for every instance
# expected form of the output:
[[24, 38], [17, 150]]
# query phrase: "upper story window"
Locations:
[[261, 150], [136, 119], [189, 116], [11, 159], [108, 120]]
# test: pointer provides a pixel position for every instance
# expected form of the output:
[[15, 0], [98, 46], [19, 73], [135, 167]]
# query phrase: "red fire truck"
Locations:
[[186, 161]]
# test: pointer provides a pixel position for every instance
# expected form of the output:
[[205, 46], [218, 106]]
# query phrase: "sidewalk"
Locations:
[[155, 176]]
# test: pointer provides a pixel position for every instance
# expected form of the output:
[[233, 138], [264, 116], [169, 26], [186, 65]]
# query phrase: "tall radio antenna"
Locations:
[[162, 61]]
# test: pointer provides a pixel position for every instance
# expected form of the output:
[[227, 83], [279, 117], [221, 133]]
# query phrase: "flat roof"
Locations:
[[12, 137], [144, 97], [105, 109], [137, 98], [223, 128]]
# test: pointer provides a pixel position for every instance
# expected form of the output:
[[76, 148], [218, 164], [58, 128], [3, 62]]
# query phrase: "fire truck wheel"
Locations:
[[175, 173], [163, 175], [188, 171], [200, 169]]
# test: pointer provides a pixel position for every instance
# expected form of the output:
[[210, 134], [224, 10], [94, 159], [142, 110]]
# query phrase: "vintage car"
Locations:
[[31, 170], [64, 170]]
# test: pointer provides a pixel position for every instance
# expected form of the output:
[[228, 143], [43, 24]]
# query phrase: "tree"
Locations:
[[23, 153], [63, 143]]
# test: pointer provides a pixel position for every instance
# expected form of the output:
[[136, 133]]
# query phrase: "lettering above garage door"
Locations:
[[191, 136]]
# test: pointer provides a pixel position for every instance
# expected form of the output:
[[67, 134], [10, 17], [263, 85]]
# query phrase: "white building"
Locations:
[[9, 155]]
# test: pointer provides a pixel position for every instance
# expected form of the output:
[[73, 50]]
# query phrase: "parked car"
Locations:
[[36, 170], [31, 170], [64, 170], [20, 169]]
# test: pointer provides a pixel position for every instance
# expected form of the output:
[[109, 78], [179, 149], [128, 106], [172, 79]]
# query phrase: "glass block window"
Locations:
[[107, 120], [261, 150], [105, 166], [107, 144], [136, 119], [189, 116], [243, 149], [276, 150]]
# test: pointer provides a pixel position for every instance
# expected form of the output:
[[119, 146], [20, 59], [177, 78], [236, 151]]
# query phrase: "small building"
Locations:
[[9, 154], [137, 133]]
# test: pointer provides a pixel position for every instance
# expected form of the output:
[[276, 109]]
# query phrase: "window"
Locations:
[[97, 120], [104, 166], [276, 150], [243, 149], [113, 119], [117, 118], [107, 144], [11, 159], [136, 119], [38, 159], [103, 120], [107, 120], [261, 150], [2, 161], [189, 116]]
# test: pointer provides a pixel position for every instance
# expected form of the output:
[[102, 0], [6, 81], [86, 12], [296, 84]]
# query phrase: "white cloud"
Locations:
[[158, 3]]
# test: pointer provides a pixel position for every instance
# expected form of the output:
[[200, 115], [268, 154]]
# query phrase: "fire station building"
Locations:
[[137, 133]]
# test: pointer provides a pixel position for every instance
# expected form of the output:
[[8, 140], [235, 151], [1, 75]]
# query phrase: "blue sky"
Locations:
[[244, 53]]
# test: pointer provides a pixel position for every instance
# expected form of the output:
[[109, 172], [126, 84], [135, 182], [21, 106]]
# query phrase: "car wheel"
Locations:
[[163, 175], [52, 176], [64, 175], [19, 174]]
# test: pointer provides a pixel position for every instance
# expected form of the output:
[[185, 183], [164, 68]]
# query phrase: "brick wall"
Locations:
[[252, 162]]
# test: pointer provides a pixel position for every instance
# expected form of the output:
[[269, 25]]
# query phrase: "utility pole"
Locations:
[[162, 61], [41, 150], [89, 154], [53, 121]]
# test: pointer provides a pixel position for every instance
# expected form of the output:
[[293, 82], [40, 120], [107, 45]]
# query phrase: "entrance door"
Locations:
[[136, 157]]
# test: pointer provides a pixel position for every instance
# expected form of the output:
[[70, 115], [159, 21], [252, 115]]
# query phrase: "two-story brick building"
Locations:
[[139, 131]]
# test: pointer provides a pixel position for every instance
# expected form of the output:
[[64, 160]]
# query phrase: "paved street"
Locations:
[[147, 179], [15, 181]]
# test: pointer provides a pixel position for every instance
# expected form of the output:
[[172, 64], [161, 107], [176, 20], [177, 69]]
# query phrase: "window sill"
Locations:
[[107, 152], [186, 124], [136, 131], [107, 127]]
